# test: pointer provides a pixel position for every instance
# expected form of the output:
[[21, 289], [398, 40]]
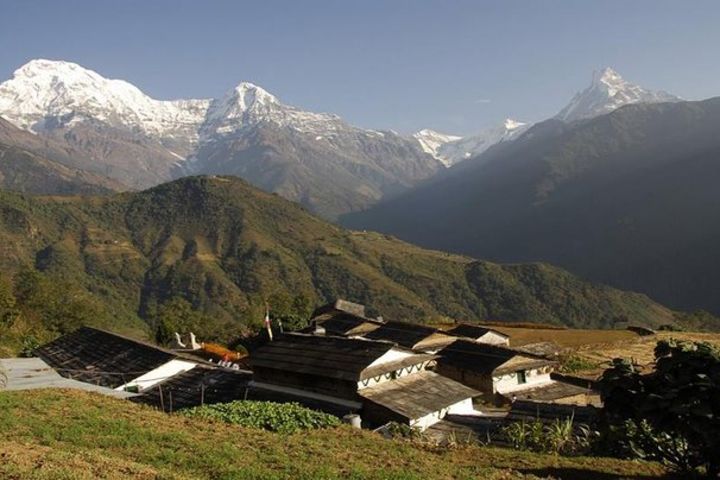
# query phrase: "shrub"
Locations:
[[671, 414], [575, 363], [276, 417]]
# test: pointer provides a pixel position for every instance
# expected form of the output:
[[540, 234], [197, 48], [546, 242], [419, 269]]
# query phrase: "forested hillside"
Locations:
[[210, 250]]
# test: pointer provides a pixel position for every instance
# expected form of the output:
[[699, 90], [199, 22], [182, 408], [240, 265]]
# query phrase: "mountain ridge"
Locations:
[[139, 141], [227, 247], [626, 199]]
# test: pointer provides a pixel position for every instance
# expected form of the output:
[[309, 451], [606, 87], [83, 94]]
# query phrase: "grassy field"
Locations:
[[51, 434]]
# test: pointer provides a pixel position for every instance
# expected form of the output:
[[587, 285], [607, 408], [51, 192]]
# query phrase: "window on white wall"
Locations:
[[522, 377]]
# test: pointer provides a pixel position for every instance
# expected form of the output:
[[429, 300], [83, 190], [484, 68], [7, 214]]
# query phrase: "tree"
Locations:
[[671, 414]]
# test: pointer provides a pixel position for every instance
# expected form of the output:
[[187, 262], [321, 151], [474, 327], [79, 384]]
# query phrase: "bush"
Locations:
[[672, 414], [575, 363], [276, 417]]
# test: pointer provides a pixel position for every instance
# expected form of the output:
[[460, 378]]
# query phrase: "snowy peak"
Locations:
[[65, 93], [451, 149], [607, 92], [431, 141], [248, 95], [511, 124]]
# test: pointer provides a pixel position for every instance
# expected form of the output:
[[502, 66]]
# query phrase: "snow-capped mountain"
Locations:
[[607, 92], [450, 149], [314, 158], [47, 94], [431, 141]]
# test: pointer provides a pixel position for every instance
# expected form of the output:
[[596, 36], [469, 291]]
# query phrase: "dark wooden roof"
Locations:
[[471, 331], [334, 357], [344, 324], [408, 335], [196, 386], [485, 358], [418, 394], [102, 358]]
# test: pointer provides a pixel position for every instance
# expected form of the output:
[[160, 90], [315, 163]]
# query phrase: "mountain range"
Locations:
[[628, 198], [313, 158], [100, 127]]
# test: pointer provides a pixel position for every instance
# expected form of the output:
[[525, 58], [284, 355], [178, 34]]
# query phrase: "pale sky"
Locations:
[[454, 66]]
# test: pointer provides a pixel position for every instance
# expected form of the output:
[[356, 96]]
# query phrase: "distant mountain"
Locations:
[[313, 158], [431, 141], [316, 159], [630, 198], [451, 149], [226, 247], [29, 164], [607, 92]]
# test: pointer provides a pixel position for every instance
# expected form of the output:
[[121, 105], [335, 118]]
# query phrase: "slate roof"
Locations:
[[552, 392], [334, 357], [488, 359], [418, 394], [408, 335], [346, 324], [199, 385], [472, 331], [102, 358]]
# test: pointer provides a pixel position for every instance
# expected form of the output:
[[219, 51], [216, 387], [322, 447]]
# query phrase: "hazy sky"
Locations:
[[455, 66]]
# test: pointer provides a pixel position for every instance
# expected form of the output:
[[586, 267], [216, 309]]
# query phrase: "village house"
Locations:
[[493, 369], [379, 380], [419, 338], [479, 334], [110, 360]]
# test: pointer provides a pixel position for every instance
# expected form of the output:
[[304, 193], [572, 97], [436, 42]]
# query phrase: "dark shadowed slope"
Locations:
[[630, 199]]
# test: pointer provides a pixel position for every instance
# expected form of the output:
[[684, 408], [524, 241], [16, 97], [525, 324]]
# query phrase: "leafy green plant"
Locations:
[[561, 436], [276, 417]]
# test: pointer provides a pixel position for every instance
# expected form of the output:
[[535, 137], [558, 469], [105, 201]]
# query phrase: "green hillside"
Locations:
[[51, 434], [225, 247]]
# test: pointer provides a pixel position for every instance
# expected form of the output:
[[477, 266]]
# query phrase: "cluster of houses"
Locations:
[[366, 369]]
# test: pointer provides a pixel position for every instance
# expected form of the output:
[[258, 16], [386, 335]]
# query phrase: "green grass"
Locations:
[[51, 434]]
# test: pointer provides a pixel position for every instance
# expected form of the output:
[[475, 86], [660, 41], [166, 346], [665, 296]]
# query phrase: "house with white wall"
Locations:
[[377, 379], [493, 369]]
